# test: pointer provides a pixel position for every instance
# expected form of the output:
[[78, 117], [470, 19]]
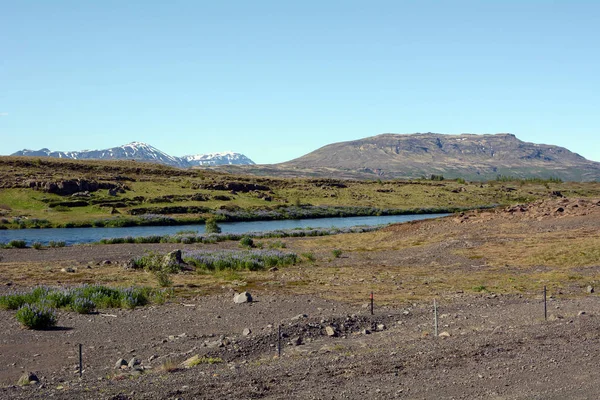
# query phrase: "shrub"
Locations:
[[211, 226], [309, 256], [52, 243], [163, 278], [37, 245], [36, 317], [17, 244], [278, 244], [238, 260], [82, 305], [247, 242], [336, 253]]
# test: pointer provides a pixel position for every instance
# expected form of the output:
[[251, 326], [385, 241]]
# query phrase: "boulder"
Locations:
[[27, 379], [133, 362], [173, 260], [120, 363], [243, 297], [330, 331]]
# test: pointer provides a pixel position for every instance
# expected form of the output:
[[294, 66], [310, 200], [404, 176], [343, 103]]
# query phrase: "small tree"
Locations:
[[212, 226]]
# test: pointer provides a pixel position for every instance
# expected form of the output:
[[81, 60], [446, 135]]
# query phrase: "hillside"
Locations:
[[473, 157]]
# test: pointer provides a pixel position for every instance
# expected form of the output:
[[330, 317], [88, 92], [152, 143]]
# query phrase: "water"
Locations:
[[88, 235]]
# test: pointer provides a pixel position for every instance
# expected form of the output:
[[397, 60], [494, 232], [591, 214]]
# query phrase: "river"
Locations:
[[88, 235]]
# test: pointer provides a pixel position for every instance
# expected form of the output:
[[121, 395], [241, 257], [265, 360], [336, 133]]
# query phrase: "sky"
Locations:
[[275, 80]]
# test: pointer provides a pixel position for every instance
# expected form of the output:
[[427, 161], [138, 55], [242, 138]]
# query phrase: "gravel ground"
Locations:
[[491, 346]]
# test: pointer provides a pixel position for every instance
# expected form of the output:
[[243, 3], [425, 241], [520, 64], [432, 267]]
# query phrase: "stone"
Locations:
[[243, 297], [68, 270], [296, 341], [444, 334], [580, 313], [330, 331], [173, 260], [133, 362], [246, 331], [590, 289], [381, 327], [299, 317], [106, 262], [120, 362], [27, 379], [273, 269], [366, 332]]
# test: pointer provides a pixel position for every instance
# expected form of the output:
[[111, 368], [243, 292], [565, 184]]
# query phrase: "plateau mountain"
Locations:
[[469, 156]]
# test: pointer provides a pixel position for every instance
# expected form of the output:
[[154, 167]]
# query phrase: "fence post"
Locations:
[[545, 306], [435, 318], [371, 303], [80, 361]]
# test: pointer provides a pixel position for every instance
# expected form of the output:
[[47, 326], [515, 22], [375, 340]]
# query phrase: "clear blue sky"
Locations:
[[277, 79]]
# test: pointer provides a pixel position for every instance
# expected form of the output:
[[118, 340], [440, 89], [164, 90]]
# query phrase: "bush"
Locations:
[[17, 244], [52, 243], [35, 317], [211, 226], [37, 245], [247, 242], [336, 253], [82, 305], [309, 256], [163, 278]]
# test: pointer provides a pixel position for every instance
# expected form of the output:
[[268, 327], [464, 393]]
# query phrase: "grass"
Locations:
[[153, 186]]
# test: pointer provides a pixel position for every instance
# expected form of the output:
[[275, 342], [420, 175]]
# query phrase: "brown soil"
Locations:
[[493, 346]]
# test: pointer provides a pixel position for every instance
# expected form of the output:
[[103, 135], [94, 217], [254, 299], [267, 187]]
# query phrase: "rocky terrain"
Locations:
[[492, 342]]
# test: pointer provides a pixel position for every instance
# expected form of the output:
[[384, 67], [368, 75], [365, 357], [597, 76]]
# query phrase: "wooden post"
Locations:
[[371, 303], [545, 306], [80, 361], [435, 318]]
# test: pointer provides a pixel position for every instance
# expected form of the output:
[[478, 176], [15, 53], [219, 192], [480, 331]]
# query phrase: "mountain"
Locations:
[[143, 152], [224, 158], [469, 156]]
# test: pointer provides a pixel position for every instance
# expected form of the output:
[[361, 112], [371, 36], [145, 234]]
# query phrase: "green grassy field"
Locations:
[[194, 195]]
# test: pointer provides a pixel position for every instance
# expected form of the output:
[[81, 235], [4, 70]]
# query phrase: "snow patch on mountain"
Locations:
[[141, 151]]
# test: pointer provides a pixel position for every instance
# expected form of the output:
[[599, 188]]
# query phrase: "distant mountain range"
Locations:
[[144, 152]]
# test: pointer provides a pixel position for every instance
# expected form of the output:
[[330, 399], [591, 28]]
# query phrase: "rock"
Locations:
[[366, 331], [590, 289], [330, 331], [130, 264], [106, 262], [299, 317], [214, 344], [133, 362], [120, 362], [243, 297], [273, 269], [296, 341], [246, 331], [68, 270], [28, 378], [580, 313], [173, 260], [444, 334], [381, 327]]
